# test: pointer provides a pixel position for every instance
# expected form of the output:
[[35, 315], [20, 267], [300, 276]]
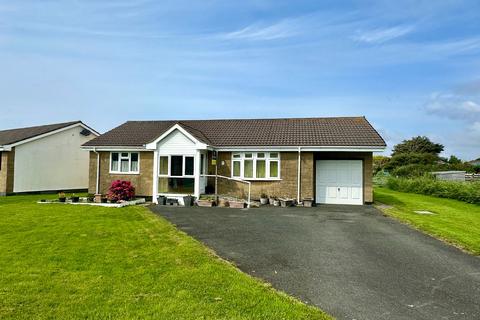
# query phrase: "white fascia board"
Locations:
[[113, 148], [79, 124], [2, 149], [153, 145], [304, 148]]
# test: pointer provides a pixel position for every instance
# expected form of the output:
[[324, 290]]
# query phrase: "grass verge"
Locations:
[[453, 221]]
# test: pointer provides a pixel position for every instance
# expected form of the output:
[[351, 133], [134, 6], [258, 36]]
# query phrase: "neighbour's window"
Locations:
[[256, 165], [124, 162]]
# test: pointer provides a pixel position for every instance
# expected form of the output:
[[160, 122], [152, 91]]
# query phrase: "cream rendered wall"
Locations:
[[55, 162]]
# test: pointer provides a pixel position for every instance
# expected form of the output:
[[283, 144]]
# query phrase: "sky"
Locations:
[[411, 67]]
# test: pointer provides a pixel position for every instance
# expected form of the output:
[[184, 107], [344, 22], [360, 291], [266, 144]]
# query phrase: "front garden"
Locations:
[[72, 262]]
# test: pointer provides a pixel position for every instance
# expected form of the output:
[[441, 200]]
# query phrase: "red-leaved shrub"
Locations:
[[121, 190]]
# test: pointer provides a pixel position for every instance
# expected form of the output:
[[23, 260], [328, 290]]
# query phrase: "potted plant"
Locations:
[[162, 200], [237, 203], [308, 202], [206, 201], [74, 198], [188, 200], [90, 197], [286, 202], [271, 201], [263, 199], [104, 199], [61, 197], [223, 202], [276, 202]]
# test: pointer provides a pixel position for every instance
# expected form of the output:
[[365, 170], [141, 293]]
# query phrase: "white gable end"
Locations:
[[176, 143]]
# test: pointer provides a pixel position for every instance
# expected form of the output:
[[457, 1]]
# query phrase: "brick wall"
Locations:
[[286, 187], [6, 172], [143, 182]]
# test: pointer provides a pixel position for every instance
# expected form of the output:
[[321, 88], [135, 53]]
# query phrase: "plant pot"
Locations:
[[237, 204], [271, 201], [187, 201], [205, 203], [75, 199], [286, 202], [276, 203], [113, 201], [263, 201], [223, 202], [162, 200], [104, 200], [308, 202], [62, 199]]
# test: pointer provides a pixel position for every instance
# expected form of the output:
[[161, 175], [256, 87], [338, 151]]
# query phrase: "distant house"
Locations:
[[328, 159], [475, 162], [44, 158]]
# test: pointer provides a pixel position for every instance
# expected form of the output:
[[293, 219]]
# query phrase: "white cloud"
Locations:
[[283, 29], [453, 106], [382, 35]]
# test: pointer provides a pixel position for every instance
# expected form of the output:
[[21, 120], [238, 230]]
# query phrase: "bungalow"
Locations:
[[328, 159], [44, 158]]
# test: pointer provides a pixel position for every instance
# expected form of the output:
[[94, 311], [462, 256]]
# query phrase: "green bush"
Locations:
[[463, 191]]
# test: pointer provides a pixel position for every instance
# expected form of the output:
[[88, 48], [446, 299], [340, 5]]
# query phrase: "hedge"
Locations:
[[463, 191]]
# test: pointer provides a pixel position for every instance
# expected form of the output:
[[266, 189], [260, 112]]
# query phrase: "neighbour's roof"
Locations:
[[16, 135], [340, 131]]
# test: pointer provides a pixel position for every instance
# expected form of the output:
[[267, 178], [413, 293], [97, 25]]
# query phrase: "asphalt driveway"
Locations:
[[348, 260]]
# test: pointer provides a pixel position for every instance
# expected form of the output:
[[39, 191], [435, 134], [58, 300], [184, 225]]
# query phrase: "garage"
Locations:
[[339, 182]]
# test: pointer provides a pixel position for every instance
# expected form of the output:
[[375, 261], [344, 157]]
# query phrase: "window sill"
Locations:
[[124, 173], [258, 179]]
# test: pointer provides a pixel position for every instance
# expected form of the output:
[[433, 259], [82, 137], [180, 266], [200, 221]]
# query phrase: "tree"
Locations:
[[379, 163], [454, 160], [417, 145]]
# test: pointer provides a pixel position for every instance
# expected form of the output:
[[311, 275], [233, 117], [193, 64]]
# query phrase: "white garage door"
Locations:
[[339, 181]]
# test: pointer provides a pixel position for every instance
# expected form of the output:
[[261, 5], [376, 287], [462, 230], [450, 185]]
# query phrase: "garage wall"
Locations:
[[366, 157], [55, 162]]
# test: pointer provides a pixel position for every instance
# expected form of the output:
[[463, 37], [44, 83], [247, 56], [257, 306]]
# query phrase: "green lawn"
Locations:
[[65, 261], [454, 221]]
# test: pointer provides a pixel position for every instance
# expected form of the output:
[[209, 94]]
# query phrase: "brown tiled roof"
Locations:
[[16, 135], [342, 131]]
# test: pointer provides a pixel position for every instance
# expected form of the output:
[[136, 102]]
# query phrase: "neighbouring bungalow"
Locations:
[[327, 159], [44, 158]]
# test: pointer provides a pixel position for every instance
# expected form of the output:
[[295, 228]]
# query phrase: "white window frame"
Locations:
[[129, 157], [170, 165], [254, 157]]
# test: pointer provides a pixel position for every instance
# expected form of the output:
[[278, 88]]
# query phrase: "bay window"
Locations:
[[176, 174], [124, 162], [256, 165]]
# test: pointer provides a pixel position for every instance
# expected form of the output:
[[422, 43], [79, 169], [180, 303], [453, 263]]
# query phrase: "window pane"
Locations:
[[261, 166], [236, 155], [134, 162], [176, 166], [124, 155], [236, 168], [163, 169], [248, 169], [202, 164], [124, 165], [189, 166], [176, 185], [261, 155], [273, 169], [248, 155], [114, 164], [274, 155]]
